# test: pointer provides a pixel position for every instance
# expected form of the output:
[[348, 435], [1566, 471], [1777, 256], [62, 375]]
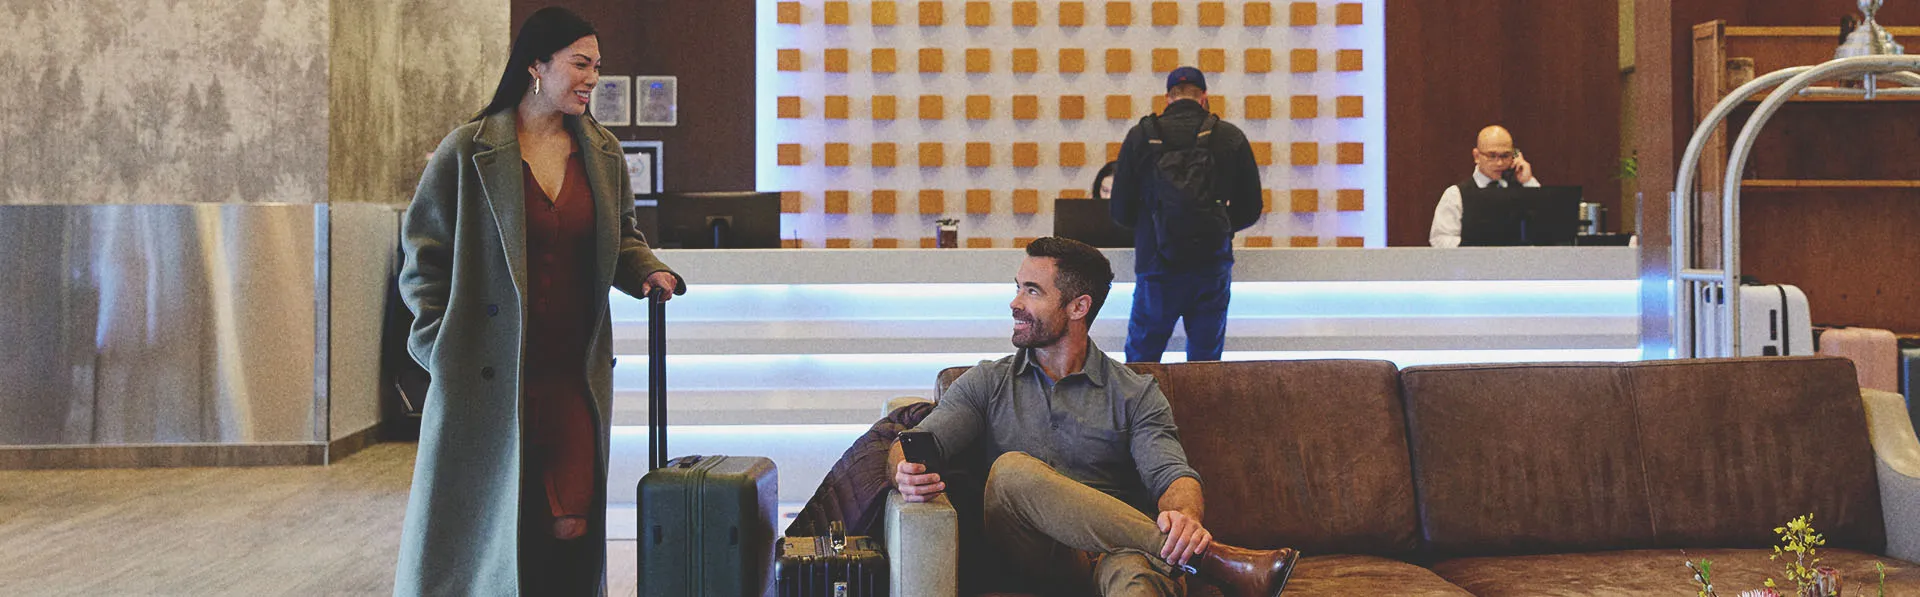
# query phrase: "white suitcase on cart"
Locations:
[[1773, 320]]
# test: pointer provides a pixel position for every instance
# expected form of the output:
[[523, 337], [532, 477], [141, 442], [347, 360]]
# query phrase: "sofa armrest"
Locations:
[[1897, 459], [923, 547]]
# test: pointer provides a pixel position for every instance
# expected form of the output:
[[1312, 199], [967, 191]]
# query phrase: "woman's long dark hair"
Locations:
[[1105, 171], [549, 30]]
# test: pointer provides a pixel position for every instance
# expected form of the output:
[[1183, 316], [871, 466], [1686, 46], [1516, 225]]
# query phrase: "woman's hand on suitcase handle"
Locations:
[[660, 281], [915, 483]]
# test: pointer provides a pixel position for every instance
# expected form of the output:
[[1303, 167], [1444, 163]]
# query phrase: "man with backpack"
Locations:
[[1186, 182]]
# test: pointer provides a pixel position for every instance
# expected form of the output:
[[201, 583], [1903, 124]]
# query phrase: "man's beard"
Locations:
[[1037, 333]]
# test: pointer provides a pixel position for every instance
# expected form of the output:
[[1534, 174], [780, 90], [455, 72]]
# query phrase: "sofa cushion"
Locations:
[[1512, 459], [1346, 575], [1736, 447], [1658, 572]]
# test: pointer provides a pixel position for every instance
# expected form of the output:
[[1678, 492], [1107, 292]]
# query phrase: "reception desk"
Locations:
[[793, 353]]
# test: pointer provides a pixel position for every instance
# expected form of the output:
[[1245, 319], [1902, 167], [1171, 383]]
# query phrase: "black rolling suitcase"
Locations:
[[832, 566], [706, 522]]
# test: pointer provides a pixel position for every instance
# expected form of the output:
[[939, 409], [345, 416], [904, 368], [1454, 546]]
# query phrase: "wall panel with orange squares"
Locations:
[[882, 116]]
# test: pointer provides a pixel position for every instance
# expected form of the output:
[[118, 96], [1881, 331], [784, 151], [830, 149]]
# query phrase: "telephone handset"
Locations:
[[1510, 175]]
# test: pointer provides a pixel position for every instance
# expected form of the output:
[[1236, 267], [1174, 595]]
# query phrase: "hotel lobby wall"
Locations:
[[1547, 71]]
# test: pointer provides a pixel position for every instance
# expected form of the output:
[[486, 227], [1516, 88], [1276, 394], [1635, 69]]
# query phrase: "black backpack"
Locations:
[[1189, 219]]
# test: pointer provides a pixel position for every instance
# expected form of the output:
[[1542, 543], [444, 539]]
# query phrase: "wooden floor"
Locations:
[[314, 530]]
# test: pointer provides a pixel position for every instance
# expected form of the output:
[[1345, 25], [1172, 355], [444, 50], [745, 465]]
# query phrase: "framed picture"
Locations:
[[658, 101], [643, 166], [613, 101]]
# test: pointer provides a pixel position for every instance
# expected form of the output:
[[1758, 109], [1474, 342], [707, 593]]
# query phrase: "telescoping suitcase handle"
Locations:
[[657, 379]]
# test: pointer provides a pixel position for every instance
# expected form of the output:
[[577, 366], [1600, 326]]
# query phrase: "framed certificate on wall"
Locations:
[[658, 100], [613, 101], [644, 163]]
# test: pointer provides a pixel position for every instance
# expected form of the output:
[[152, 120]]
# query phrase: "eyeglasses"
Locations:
[[1499, 156]]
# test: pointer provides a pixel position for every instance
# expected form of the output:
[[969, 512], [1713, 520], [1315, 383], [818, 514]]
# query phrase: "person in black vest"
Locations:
[[1184, 207], [1495, 164]]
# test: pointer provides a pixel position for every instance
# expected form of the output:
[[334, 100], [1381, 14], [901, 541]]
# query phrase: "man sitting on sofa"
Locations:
[[1089, 485]]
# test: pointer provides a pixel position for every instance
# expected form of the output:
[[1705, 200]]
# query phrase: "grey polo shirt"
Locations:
[[1105, 426]]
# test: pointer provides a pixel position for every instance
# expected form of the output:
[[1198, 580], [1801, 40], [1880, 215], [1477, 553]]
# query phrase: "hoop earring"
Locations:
[[536, 86]]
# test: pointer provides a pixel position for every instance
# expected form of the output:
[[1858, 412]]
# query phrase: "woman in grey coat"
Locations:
[[522, 222]]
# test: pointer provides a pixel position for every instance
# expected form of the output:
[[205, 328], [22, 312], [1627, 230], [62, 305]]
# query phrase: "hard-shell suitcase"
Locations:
[[706, 522], [1875, 354], [832, 566], [1773, 320]]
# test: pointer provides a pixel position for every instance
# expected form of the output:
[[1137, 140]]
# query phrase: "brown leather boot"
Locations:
[[1246, 572]]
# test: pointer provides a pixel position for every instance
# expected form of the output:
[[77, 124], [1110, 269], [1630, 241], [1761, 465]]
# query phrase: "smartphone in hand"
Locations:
[[918, 448]]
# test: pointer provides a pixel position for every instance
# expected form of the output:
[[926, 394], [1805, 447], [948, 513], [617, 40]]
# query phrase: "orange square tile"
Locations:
[[933, 203], [1258, 107], [979, 107], [835, 60], [1166, 14], [1026, 14], [791, 243], [1026, 155], [1026, 60], [979, 243], [1266, 201], [1026, 201], [1073, 155], [1159, 104], [837, 201], [932, 155], [1119, 107], [1349, 241], [1073, 107], [1306, 154], [1073, 60], [1119, 60], [1347, 14], [789, 154], [791, 202], [885, 107], [787, 13], [1349, 106], [886, 13], [1165, 60], [886, 202], [1213, 14], [979, 14], [1304, 60], [789, 60], [1073, 193], [979, 60], [1348, 61], [789, 106], [883, 60], [839, 243], [1021, 242], [1262, 153], [979, 155], [1259, 242], [1304, 14], [927, 242], [1349, 153], [1259, 60], [1304, 241], [837, 13], [979, 201], [1217, 104], [1213, 60], [884, 155], [932, 60], [1304, 201], [839, 155], [1304, 107], [1073, 14], [836, 107], [1257, 14], [1113, 151], [1026, 107], [1119, 14], [1350, 200], [933, 107], [932, 13], [886, 243]]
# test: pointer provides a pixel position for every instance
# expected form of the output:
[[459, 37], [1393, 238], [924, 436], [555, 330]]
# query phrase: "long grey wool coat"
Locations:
[[465, 280]]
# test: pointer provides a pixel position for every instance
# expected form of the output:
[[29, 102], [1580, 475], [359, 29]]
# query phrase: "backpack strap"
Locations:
[[1206, 128], [1153, 129]]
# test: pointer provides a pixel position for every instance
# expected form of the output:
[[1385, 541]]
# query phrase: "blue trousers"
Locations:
[[1200, 300]]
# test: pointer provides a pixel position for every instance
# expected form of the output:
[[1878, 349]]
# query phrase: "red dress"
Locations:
[[562, 442]]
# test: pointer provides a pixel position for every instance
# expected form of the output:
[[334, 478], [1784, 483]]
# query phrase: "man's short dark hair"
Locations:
[[1081, 270]]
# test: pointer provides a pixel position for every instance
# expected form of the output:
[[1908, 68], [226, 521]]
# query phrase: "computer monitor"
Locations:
[[1522, 216], [718, 220], [1089, 221]]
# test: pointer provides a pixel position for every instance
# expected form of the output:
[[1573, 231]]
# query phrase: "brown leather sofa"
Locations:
[[1531, 479]]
